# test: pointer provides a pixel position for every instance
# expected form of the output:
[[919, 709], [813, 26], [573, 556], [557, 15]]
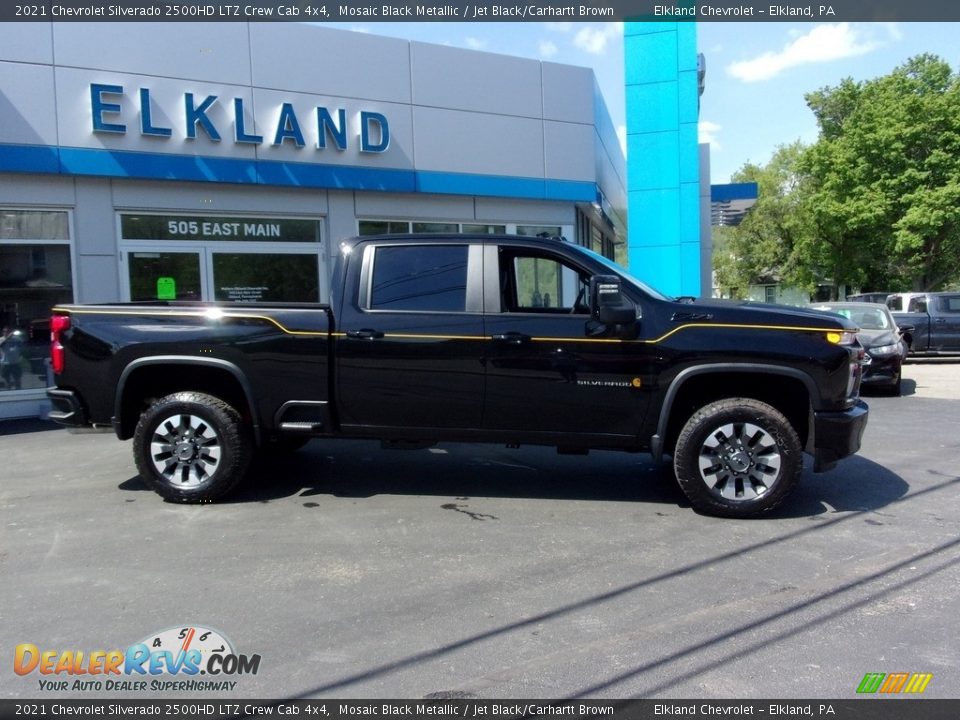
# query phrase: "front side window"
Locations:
[[420, 278], [540, 284]]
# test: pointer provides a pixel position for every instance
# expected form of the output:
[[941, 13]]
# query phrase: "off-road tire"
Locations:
[[737, 458], [192, 447]]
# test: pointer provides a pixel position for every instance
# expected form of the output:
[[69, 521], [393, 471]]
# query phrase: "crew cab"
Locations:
[[496, 339]]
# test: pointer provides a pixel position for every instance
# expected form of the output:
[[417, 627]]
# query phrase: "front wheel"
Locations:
[[191, 447], [737, 458]]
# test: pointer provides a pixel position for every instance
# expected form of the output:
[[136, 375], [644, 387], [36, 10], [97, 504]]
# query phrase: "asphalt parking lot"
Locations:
[[479, 571]]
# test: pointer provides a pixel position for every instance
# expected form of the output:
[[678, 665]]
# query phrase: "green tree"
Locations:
[[763, 246], [884, 179]]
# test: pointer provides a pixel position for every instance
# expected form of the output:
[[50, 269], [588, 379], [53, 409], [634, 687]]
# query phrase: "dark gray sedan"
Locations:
[[881, 339]]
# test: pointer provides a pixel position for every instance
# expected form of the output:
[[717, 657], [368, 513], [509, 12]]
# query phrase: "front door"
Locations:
[[545, 372], [946, 324]]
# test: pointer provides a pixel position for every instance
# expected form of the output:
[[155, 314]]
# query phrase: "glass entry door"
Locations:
[[225, 273], [164, 275]]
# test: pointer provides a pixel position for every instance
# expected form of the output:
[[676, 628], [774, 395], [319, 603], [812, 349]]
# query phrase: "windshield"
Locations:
[[866, 318], [622, 272]]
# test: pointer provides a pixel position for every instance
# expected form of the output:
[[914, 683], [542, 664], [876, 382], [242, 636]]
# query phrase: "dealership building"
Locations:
[[226, 162]]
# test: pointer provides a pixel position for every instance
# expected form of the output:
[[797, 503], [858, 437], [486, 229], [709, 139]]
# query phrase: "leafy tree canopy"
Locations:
[[874, 203]]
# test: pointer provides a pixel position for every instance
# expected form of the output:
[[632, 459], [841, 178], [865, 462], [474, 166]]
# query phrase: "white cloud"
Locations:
[[822, 44], [547, 49], [593, 39], [559, 27], [707, 133], [475, 43], [622, 137]]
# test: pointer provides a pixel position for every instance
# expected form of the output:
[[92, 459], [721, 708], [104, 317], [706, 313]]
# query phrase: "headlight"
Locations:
[[841, 337], [884, 350]]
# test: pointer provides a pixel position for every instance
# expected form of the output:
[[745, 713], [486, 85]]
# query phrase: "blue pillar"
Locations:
[[663, 168]]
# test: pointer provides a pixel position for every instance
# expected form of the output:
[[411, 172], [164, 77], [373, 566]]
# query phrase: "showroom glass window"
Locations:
[[35, 274], [403, 227], [228, 258]]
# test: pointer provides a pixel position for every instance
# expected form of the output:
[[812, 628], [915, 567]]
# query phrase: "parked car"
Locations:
[[933, 319], [881, 338]]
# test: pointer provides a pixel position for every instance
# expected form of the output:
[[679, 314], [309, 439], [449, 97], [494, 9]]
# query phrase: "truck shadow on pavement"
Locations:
[[361, 469]]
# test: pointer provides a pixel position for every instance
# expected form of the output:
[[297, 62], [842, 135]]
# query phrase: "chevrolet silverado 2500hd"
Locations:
[[496, 339]]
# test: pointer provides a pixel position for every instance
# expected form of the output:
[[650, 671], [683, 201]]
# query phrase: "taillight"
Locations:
[[58, 324]]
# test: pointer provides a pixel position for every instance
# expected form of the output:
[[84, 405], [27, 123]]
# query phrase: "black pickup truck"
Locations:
[[495, 339]]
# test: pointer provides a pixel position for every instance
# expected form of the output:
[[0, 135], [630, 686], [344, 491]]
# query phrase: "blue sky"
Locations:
[[757, 73]]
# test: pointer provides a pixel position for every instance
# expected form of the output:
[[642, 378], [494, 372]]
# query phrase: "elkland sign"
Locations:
[[334, 129]]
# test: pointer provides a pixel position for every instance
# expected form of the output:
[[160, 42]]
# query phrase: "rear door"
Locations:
[[546, 374], [409, 341]]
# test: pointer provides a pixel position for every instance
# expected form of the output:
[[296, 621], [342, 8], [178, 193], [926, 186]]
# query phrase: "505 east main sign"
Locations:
[[332, 126]]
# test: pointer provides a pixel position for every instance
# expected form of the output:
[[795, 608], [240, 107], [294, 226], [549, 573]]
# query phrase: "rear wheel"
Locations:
[[737, 458], [191, 447]]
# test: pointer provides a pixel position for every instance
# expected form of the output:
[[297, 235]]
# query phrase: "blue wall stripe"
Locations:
[[28, 158], [116, 163], [572, 190], [341, 177], [163, 166]]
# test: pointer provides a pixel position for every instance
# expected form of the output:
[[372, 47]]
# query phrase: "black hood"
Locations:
[[755, 313]]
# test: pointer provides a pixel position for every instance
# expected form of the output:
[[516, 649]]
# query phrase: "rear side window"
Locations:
[[917, 305], [951, 303], [423, 278]]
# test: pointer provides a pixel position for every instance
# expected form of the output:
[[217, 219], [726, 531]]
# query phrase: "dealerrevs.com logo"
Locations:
[[170, 660]]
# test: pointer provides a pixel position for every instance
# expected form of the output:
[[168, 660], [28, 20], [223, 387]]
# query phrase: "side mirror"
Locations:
[[607, 303], [907, 330]]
